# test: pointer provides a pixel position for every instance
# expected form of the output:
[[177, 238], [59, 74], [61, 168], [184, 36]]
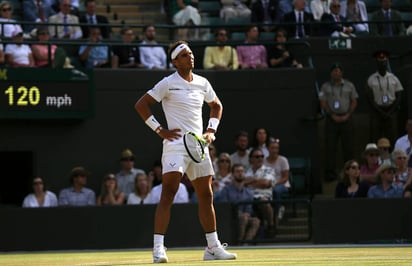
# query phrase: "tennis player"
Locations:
[[182, 95]]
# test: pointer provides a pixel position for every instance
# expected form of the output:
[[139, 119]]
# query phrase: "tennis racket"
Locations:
[[195, 146]]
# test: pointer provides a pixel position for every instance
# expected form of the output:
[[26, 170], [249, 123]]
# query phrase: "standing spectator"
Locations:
[[141, 190], [241, 155], [404, 143], [385, 187], [41, 53], [384, 95], [261, 179], [67, 28], [260, 139], [252, 55], [384, 146], [298, 21], [234, 9], [334, 24], [338, 99], [278, 54], [393, 25], [265, 12], [127, 174], [319, 7], [370, 165], [237, 192], [77, 194], [91, 18], [9, 26], [126, 55], [280, 166], [355, 12], [37, 11], [40, 197], [220, 56], [110, 194], [152, 57], [350, 185], [19, 54], [94, 55]]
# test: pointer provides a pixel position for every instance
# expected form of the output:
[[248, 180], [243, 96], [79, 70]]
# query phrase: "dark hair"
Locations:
[[253, 150], [241, 133], [281, 30], [218, 30], [236, 165], [254, 139], [147, 26], [173, 46], [42, 179], [124, 30], [344, 176], [408, 188], [88, 1]]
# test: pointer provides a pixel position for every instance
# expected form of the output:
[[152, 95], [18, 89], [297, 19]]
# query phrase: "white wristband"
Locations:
[[213, 123], [152, 123]]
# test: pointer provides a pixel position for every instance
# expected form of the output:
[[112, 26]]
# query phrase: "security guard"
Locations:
[[384, 95], [338, 99]]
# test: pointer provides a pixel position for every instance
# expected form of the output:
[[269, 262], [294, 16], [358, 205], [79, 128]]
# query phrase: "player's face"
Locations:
[[185, 60]]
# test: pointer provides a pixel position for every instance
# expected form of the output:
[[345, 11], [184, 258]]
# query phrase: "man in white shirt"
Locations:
[[404, 143], [152, 57]]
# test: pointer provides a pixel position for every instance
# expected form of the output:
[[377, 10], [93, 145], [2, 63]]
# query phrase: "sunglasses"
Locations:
[[6, 9], [258, 156], [128, 159], [38, 183], [373, 154]]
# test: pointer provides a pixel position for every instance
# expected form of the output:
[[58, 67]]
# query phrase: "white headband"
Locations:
[[178, 49]]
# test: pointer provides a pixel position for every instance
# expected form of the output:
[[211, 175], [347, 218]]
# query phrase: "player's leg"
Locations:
[[170, 185], [215, 250]]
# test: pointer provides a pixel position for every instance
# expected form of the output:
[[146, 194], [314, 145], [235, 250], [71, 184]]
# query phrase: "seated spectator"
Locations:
[[40, 197], [109, 193], [41, 53], [234, 9], [241, 155], [185, 13], [385, 187], [19, 54], [318, 8], [400, 160], [127, 174], [212, 154], [278, 55], [67, 29], [141, 190], [350, 185], [392, 26], [237, 192], [405, 142], [155, 174], [261, 179], [92, 55], [354, 11], [221, 56], [280, 166], [37, 11], [77, 194], [298, 21], [260, 139], [153, 57], [6, 14], [223, 174], [266, 12], [370, 165], [2, 59], [252, 55], [181, 196], [95, 20], [334, 24], [126, 55], [384, 146]]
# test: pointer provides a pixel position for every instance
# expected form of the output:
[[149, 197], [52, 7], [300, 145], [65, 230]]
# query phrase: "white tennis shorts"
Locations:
[[176, 159]]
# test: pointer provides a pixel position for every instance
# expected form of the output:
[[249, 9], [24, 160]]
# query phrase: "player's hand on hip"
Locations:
[[170, 134]]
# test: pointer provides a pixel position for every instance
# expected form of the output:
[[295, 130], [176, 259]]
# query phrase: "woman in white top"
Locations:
[[40, 196], [141, 190], [19, 54], [355, 11], [6, 12], [318, 7]]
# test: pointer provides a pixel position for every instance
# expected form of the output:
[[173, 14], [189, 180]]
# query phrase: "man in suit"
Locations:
[[37, 11], [392, 26], [265, 11], [66, 30], [333, 24], [92, 18], [298, 22]]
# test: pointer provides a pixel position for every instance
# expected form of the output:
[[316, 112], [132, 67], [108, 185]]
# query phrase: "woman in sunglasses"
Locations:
[[40, 197], [350, 185], [400, 159], [8, 25], [371, 164]]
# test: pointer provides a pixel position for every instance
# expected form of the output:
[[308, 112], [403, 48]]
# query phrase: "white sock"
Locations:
[[212, 239], [158, 240]]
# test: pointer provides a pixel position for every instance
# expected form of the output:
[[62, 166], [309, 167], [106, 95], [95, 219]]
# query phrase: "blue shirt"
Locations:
[[96, 55], [377, 191], [230, 193], [69, 197]]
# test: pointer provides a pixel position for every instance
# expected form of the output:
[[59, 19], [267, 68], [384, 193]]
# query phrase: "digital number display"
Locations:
[[45, 93]]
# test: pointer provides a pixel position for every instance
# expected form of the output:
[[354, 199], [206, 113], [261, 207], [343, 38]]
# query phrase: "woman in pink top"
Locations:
[[41, 51]]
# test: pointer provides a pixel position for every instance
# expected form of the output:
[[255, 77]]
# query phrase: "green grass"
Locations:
[[246, 256]]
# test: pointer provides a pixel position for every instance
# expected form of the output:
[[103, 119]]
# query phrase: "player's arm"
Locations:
[[216, 110], [142, 106]]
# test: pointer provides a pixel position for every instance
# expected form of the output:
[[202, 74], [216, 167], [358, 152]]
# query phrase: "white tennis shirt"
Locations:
[[182, 101]]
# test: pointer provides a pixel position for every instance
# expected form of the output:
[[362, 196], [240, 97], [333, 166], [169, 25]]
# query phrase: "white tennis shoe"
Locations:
[[218, 253], [159, 255]]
